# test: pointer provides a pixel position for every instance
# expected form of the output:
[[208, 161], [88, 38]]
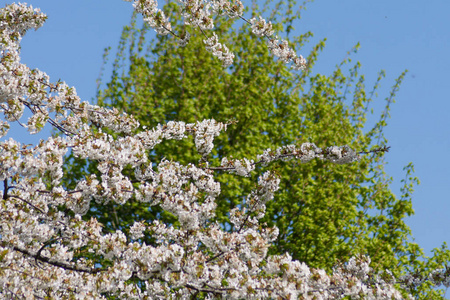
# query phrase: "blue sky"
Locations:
[[394, 36]]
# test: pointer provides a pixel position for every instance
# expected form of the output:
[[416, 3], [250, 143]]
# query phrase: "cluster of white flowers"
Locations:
[[199, 14], [219, 50], [281, 49], [241, 167], [154, 16], [308, 151], [261, 27], [49, 250], [204, 133], [341, 155], [436, 277]]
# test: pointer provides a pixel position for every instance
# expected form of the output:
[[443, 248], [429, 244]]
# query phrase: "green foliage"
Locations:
[[326, 213]]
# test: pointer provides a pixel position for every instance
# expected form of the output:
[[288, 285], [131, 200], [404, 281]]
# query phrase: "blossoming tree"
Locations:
[[322, 208], [325, 213], [48, 250]]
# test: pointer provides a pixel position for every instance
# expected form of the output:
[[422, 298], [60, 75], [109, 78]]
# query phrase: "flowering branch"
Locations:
[[65, 266], [199, 14]]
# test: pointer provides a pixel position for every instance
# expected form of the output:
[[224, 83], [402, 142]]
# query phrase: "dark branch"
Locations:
[[65, 266]]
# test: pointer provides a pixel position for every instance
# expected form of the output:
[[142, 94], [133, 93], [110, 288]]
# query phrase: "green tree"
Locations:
[[326, 213]]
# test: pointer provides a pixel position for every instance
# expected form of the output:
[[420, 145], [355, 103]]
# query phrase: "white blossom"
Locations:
[[341, 155], [261, 27], [136, 231], [51, 249], [219, 50]]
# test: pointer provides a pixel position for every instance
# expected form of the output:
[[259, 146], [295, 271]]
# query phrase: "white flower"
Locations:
[[341, 155], [136, 231], [219, 50], [261, 27]]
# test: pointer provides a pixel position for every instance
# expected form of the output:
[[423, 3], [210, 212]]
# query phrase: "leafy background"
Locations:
[[394, 36]]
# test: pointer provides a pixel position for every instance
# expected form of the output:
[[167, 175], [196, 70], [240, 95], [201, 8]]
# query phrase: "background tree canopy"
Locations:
[[326, 213]]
